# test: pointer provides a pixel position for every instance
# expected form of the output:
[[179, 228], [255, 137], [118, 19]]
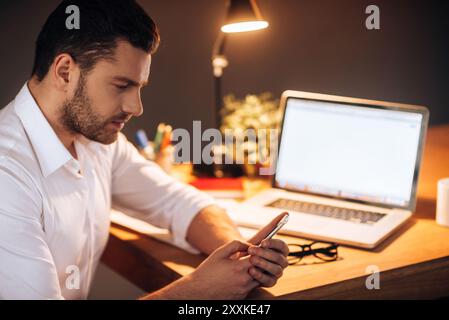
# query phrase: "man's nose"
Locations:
[[133, 106]]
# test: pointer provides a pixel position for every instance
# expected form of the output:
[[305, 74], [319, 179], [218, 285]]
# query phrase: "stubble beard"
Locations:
[[78, 117]]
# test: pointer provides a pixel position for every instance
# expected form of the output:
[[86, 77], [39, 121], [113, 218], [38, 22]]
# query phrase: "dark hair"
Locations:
[[102, 23]]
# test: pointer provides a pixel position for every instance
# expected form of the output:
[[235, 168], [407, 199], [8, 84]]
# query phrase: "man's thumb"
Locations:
[[232, 247]]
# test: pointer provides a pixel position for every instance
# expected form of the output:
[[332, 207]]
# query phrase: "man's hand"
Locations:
[[269, 259], [223, 277], [232, 270], [219, 277]]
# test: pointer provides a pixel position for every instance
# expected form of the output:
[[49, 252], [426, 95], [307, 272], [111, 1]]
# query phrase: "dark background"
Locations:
[[311, 45]]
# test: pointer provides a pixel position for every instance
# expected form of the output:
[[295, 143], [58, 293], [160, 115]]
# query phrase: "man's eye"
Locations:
[[121, 87]]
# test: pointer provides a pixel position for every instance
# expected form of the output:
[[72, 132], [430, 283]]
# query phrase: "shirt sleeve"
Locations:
[[140, 188], [27, 270]]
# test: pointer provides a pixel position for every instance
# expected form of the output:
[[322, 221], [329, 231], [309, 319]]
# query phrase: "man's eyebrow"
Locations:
[[130, 81]]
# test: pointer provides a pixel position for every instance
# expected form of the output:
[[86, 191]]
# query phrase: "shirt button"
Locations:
[[74, 167]]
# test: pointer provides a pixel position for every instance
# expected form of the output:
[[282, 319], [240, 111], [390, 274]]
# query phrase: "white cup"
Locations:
[[443, 202]]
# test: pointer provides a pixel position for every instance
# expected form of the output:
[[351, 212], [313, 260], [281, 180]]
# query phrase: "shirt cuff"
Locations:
[[182, 221]]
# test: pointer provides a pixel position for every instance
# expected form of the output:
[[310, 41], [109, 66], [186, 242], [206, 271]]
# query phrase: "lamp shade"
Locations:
[[243, 16]]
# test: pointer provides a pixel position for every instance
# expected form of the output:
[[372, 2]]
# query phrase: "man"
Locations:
[[64, 164]]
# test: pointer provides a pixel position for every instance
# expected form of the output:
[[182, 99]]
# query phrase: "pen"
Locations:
[[141, 139], [166, 138], [158, 137]]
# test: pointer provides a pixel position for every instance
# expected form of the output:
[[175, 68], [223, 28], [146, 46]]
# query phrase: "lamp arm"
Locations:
[[219, 44], [219, 62]]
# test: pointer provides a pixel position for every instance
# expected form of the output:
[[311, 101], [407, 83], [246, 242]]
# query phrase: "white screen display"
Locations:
[[349, 151]]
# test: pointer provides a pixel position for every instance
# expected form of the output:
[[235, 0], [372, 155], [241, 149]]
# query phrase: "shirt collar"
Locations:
[[50, 151]]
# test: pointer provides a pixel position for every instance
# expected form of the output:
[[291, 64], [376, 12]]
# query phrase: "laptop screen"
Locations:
[[354, 152]]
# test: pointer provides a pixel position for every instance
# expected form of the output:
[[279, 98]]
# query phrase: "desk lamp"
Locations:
[[241, 16]]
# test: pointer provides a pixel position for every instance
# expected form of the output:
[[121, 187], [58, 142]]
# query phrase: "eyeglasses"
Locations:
[[324, 251]]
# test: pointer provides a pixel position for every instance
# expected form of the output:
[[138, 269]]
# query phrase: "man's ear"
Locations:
[[64, 72]]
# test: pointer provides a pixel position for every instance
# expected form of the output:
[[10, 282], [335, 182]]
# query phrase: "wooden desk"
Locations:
[[414, 262]]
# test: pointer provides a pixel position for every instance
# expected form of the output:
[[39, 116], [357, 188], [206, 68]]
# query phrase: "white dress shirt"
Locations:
[[54, 209]]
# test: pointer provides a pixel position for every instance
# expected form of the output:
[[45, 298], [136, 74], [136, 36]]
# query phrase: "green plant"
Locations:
[[252, 112]]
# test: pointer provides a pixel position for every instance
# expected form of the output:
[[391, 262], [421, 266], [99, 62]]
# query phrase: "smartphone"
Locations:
[[280, 224]]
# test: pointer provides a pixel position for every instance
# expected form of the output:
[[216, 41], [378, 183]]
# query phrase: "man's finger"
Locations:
[[270, 255], [231, 248], [264, 279], [259, 236], [275, 244], [264, 265], [244, 263]]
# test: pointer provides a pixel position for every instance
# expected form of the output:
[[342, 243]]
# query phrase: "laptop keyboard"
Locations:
[[353, 215]]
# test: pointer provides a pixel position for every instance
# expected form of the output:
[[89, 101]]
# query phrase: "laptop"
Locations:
[[347, 169]]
